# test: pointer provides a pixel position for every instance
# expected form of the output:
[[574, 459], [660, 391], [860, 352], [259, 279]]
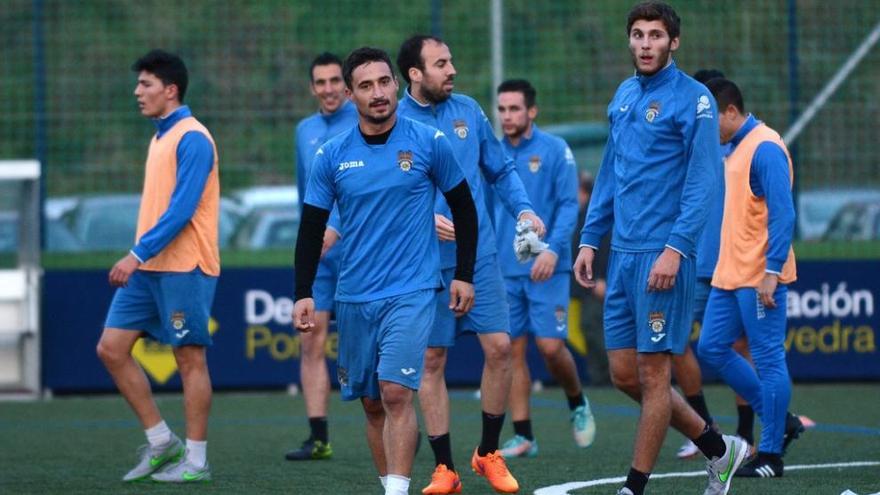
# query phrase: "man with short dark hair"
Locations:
[[335, 114], [755, 265], [383, 175], [655, 182], [425, 62], [538, 288], [165, 284]]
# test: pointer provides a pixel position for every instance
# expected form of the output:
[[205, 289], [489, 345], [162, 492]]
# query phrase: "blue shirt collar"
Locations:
[[750, 123], [424, 106], [164, 124], [659, 78], [523, 141]]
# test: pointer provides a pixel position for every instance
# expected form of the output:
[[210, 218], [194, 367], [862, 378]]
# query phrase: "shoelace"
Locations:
[[495, 464]]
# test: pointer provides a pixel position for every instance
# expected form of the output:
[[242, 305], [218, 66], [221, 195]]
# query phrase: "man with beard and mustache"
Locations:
[[537, 289], [426, 63], [335, 114], [654, 187], [383, 175]]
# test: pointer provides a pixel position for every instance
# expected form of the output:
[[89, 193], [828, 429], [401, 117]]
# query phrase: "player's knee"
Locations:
[[551, 349], [109, 354], [312, 347], [497, 351], [710, 353], [190, 359], [373, 409], [435, 361], [395, 396], [625, 380]]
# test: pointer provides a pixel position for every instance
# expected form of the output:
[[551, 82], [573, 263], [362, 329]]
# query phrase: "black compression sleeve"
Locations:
[[308, 248], [464, 216]]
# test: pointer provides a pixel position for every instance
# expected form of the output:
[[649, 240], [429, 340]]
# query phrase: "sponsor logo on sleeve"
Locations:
[[704, 107]]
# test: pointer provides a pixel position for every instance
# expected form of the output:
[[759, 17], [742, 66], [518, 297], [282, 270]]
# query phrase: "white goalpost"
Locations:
[[20, 285]]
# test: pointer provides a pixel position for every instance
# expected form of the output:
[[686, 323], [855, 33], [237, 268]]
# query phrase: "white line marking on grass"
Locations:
[[564, 488]]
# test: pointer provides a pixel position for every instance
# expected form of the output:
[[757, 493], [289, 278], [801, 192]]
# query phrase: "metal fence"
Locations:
[[66, 85]]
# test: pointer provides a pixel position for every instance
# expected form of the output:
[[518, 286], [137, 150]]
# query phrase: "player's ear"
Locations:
[[415, 74], [673, 44], [533, 112]]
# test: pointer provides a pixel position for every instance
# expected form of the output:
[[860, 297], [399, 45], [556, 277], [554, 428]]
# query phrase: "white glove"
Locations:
[[526, 243]]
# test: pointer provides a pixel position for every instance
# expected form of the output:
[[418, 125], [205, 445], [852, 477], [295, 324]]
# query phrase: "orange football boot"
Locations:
[[494, 469], [444, 481]]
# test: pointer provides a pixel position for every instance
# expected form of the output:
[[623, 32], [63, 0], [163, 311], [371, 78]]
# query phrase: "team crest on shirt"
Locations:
[[404, 159], [653, 111], [560, 318], [460, 128], [704, 107], [534, 163]]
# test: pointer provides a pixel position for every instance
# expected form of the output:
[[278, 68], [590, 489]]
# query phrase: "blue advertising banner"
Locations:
[[831, 335]]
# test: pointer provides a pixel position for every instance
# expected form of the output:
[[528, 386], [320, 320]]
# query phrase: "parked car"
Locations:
[[857, 221], [268, 228], [58, 235], [266, 197], [816, 207], [109, 222]]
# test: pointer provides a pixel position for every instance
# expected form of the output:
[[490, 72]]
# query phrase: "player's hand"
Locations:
[[330, 238], [544, 266], [122, 270], [461, 297], [583, 267], [445, 228], [537, 223], [767, 288], [304, 315], [662, 276]]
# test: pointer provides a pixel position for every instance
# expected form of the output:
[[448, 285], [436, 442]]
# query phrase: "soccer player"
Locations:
[[755, 264], [335, 114], [425, 62], [165, 284], [537, 291], [685, 368], [655, 182], [383, 175]]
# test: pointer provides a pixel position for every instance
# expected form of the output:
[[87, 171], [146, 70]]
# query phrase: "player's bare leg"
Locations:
[[433, 395], [196, 389], [560, 364], [497, 372], [314, 376], [400, 428], [521, 382], [687, 374], [114, 350], [375, 414], [654, 370]]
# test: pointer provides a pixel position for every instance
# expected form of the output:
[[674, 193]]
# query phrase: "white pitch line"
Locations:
[[564, 488]]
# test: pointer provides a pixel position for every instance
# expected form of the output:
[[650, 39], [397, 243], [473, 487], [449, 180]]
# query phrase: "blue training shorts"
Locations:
[[657, 321], [383, 340], [539, 308], [173, 308], [490, 313]]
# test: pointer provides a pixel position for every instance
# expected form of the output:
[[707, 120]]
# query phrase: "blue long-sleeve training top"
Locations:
[[480, 155], [311, 133], [547, 168], [709, 243], [769, 179], [195, 159], [659, 169]]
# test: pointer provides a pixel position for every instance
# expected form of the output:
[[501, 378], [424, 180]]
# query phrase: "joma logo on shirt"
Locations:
[[351, 164]]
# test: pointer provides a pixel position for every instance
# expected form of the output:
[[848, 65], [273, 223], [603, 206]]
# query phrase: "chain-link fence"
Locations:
[[66, 85]]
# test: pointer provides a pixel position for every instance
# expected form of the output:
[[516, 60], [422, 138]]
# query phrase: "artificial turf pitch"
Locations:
[[85, 445]]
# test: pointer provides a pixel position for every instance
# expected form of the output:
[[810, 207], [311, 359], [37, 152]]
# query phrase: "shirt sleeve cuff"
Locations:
[[525, 210], [334, 229], [583, 245], [773, 272], [140, 257], [774, 266], [677, 251], [681, 244]]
